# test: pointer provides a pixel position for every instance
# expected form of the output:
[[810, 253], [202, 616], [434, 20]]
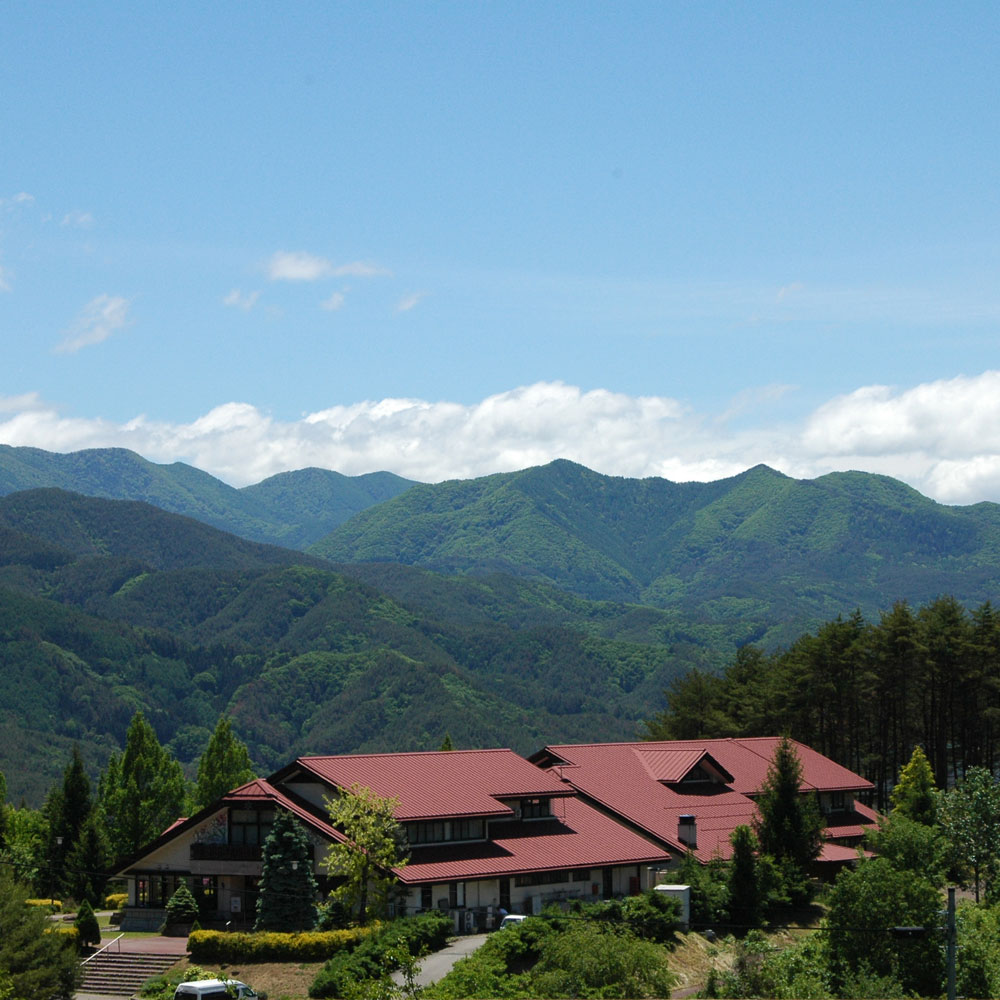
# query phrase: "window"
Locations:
[[426, 900], [468, 829], [250, 826], [456, 894], [426, 833], [541, 878], [534, 808], [580, 875]]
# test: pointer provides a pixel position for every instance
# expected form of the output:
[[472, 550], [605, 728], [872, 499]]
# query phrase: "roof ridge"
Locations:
[[403, 753]]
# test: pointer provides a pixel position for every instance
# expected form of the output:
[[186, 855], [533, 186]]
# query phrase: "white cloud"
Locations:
[[99, 318], [408, 302], [299, 265], [21, 198], [333, 303], [941, 437], [241, 300], [80, 220]]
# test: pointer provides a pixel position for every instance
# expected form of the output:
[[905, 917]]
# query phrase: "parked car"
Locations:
[[511, 919], [216, 989]]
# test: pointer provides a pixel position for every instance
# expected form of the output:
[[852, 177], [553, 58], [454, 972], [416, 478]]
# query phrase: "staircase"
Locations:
[[121, 973]]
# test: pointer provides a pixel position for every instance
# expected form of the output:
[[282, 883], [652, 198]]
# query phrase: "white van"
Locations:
[[511, 919], [216, 989]]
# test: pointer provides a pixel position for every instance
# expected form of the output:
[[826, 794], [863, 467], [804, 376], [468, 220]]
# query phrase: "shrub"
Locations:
[[162, 987], [87, 925], [182, 907], [115, 900], [54, 905], [272, 946], [379, 953]]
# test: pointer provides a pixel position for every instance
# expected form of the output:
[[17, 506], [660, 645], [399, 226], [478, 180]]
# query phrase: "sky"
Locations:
[[450, 239]]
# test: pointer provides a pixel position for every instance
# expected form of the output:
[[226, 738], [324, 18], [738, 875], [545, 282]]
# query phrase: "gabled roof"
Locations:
[[577, 836], [434, 785], [256, 792], [639, 782]]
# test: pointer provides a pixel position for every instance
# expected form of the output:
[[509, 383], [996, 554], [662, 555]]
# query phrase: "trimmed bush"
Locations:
[[272, 946], [115, 900], [87, 925], [55, 905], [182, 907], [373, 957]]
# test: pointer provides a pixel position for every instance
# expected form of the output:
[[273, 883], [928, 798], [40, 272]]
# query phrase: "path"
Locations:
[[438, 964]]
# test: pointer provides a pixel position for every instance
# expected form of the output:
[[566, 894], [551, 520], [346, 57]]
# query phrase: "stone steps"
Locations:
[[122, 973]]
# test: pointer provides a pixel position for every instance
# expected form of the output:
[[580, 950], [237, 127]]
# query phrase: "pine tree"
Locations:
[[182, 907], [915, 795], [87, 862], [446, 743], [67, 809], [142, 791], [224, 765], [287, 900], [746, 907], [788, 824], [87, 927]]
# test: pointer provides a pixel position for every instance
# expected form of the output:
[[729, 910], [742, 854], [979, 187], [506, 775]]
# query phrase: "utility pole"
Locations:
[[952, 933]]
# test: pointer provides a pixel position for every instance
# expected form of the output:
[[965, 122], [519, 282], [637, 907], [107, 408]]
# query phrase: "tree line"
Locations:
[[864, 694]]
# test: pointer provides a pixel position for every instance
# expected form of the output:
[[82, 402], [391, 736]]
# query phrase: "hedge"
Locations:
[[55, 905], [370, 960], [115, 901], [271, 946]]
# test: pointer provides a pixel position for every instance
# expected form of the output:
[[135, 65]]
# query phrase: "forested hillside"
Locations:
[[760, 552], [115, 605], [292, 509]]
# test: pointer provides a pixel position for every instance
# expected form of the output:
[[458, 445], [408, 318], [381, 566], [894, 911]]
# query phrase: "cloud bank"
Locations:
[[941, 437]]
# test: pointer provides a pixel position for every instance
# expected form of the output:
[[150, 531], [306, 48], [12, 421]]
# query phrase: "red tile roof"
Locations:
[[578, 836], [629, 779], [438, 784]]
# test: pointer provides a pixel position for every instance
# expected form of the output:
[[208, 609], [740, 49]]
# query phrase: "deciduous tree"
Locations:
[[224, 765], [374, 846], [915, 794], [969, 815]]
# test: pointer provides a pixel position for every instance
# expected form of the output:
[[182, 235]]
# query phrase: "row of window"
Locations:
[[449, 829]]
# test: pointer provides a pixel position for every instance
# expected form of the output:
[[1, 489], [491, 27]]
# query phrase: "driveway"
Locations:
[[438, 964]]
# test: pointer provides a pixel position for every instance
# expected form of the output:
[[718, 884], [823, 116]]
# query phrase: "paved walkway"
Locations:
[[438, 964]]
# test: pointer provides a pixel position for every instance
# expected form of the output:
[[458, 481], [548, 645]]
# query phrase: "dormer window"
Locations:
[[535, 808], [697, 775]]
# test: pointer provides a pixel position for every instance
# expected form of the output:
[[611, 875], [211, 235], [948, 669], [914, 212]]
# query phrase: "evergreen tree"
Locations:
[[87, 927], [788, 824], [67, 809], [3, 811], [287, 900], [746, 905], [142, 791], [87, 862], [224, 765], [446, 743], [182, 907], [39, 964], [375, 845], [915, 795]]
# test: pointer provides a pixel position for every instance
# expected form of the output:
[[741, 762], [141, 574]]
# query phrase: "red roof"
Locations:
[[441, 783], [638, 781], [260, 790], [577, 836]]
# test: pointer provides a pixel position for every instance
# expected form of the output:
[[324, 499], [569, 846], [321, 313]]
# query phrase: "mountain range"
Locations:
[[552, 604]]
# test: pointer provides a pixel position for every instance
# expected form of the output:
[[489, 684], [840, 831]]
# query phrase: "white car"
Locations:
[[217, 989], [511, 919]]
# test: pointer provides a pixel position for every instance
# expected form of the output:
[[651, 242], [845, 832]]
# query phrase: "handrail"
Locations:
[[105, 948]]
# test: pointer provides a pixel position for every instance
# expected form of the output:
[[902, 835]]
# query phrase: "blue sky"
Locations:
[[455, 238]]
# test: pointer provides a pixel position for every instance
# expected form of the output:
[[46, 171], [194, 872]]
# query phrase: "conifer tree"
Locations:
[[87, 862], [224, 765], [915, 795], [746, 906], [287, 900], [67, 809], [182, 907], [788, 824], [3, 811], [87, 927], [446, 743], [142, 791]]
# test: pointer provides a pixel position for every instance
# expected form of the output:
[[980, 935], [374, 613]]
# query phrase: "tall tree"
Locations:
[[3, 811], [915, 794], [287, 900], [87, 862], [969, 815], [224, 765], [142, 791], [788, 823], [67, 809], [374, 846], [746, 903]]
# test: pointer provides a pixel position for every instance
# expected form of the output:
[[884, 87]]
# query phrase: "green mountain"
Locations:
[[760, 551], [108, 606], [292, 509]]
